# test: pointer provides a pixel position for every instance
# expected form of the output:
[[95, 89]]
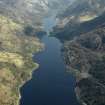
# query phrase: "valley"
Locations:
[[52, 52]]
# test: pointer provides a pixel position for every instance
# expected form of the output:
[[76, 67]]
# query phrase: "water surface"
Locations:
[[50, 84]]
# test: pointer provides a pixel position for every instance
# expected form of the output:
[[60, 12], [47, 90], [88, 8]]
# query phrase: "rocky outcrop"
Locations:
[[84, 56]]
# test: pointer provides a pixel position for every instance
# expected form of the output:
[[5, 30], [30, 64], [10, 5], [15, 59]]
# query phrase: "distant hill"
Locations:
[[16, 49], [24, 11], [80, 17]]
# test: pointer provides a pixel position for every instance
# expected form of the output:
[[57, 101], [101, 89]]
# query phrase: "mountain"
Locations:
[[84, 57], [16, 48], [20, 20], [84, 10], [25, 11], [57, 6], [81, 28], [31, 12], [78, 17]]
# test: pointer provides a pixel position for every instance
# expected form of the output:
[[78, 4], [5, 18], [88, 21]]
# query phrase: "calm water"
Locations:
[[51, 84]]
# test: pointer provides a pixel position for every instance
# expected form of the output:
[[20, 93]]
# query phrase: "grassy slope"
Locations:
[[16, 63]]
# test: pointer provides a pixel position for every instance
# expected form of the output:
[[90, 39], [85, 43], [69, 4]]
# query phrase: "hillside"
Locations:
[[80, 17], [20, 20], [84, 57], [16, 64]]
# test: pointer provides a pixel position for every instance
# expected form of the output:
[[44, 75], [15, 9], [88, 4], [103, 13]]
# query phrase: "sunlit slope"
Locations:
[[80, 17], [16, 62]]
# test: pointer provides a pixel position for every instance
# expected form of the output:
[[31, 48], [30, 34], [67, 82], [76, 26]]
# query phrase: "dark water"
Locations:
[[51, 84]]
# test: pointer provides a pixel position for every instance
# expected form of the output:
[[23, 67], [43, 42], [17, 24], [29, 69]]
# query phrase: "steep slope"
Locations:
[[57, 6], [72, 30], [16, 62], [78, 18], [19, 21], [85, 58], [31, 12], [83, 9], [16, 48], [28, 12]]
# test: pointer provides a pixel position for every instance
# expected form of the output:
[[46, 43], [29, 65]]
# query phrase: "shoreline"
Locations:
[[25, 83], [31, 73]]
